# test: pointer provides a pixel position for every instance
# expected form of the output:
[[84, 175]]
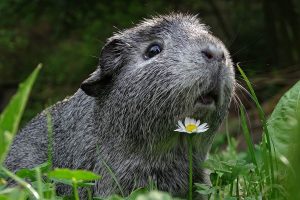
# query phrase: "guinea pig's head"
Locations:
[[163, 70]]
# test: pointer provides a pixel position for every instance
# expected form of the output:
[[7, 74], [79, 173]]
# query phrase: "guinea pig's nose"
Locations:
[[213, 53]]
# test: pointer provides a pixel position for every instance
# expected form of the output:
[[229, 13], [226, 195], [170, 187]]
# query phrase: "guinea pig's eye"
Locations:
[[152, 50]]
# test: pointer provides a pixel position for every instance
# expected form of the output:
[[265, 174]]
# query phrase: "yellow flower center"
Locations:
[[191, 128]]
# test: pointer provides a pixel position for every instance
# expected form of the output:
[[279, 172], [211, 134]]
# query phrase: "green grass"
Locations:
[[268, 170]]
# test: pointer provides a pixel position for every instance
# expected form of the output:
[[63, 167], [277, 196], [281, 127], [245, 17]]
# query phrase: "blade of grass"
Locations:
[[227, 132], [248, 137], [89, 192], [50, 138], [246, 187], [39, 182], [21, 182], [75, 189], [237, 188], [11, 116], [264, 123], [111, 173], [231, 189], [250, 144]]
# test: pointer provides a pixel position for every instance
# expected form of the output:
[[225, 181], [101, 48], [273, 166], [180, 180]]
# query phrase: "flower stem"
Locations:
[[190, 148]]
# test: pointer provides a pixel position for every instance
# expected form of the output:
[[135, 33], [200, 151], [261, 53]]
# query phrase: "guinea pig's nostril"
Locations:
[[213, 54], [207, 53], [223, 56]]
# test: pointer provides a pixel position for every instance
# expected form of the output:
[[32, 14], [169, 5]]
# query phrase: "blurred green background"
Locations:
[[67, 36]]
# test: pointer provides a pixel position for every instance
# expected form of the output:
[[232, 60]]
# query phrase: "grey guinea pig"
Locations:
[[150, 76]]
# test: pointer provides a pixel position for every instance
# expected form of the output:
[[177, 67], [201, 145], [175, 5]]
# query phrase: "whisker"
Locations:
[[242, 88]]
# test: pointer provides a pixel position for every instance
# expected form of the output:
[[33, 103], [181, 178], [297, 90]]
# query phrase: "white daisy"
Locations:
[[191, 126]]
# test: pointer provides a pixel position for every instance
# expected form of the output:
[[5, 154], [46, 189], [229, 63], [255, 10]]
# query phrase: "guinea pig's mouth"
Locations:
[[209, 98]]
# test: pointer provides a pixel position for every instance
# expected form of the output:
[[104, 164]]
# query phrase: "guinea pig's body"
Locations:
[[149, 77]]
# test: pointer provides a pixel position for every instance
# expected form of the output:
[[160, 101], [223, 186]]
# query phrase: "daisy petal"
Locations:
[[204, 125], [180, 124], [186, 121], [201, 131], [193, 121], [198, 123], [202, 128], [180, 130]]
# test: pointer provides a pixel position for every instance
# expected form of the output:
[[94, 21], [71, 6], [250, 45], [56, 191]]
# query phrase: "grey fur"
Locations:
[[132, 107]]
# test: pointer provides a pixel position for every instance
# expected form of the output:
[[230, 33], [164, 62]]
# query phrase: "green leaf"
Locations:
[[46, 187], [226, 172], [205, 189], [26, 173], [11, 116], [284, 122], [31, 173], [13, 193], [36, 179], [68, 176]]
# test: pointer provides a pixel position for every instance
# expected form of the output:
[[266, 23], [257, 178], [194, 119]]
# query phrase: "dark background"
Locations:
[[67, 36]]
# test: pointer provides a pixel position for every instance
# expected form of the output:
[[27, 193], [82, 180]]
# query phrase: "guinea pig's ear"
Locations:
[[111, 58], [113, 55], [94, 85]]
